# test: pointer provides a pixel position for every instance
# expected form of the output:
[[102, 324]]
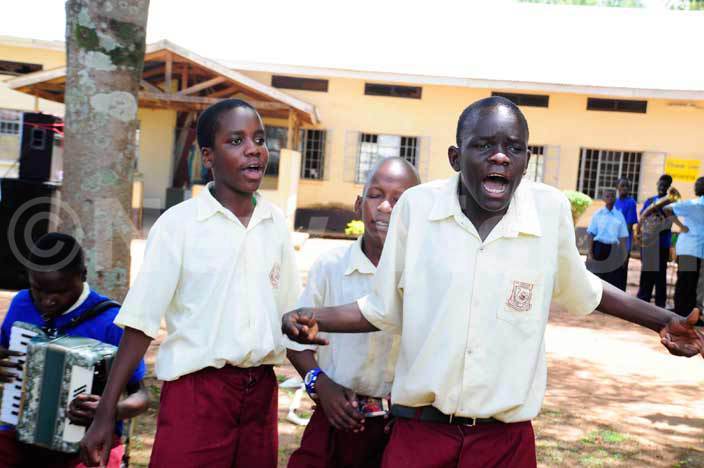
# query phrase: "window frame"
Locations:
[[318, 85], [313, 158], [604, 159], [393, 90], [537, 157], [408, 149], [629, 106], [525, 100]]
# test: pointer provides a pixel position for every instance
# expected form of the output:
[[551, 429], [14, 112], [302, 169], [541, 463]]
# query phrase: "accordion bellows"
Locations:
[[57, 371]]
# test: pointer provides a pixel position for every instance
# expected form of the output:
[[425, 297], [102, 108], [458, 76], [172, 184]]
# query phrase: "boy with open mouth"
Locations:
[[468, 272]]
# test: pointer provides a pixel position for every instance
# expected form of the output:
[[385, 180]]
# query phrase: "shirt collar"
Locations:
[[207, 206], [521, 216], [358, 261], [81, 299]]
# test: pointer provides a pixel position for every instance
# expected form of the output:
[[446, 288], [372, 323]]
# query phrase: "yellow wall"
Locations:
[[156, 154], [566, 126]]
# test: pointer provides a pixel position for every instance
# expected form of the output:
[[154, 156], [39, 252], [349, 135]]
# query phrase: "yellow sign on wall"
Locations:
[[682, 170]]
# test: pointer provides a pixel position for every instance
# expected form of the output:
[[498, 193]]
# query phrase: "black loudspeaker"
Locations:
[[25, 209], [37, 146]]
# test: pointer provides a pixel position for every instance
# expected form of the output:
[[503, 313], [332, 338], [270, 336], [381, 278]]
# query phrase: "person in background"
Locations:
[[608, 241], [655, 239], [626, 204], [690, 244]]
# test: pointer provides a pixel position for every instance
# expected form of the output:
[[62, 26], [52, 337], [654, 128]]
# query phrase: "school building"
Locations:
[[326, 127]]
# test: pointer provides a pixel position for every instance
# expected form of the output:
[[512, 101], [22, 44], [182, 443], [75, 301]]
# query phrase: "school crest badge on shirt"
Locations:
[[521, 296], [275, 276]]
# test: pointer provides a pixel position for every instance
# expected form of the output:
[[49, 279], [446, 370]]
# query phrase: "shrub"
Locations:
[[354, 228]]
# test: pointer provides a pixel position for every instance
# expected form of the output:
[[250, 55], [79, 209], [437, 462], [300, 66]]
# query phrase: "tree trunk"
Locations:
[[105, 56]]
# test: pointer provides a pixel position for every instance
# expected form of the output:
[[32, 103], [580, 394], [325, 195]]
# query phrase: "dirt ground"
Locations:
[[615, 398]]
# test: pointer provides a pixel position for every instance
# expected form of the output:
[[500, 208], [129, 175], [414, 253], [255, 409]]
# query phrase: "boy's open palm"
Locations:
[[300, 326], [681, 338]]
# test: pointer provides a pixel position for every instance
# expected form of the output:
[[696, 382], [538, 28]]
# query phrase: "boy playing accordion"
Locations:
[[58, 294]]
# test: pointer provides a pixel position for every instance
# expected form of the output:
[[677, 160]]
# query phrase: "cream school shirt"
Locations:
[[221, 287], [472, 314], [363, 362]]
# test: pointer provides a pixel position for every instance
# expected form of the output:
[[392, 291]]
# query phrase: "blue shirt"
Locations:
[[692, 242], [99, 328], [665, 234], [627, 207], [608, 226]]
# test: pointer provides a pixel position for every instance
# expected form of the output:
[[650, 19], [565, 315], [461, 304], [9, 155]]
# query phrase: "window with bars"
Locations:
[[305, 84], [373, 148], [529, 100], [312, 154], [378, 89], [536, 165], [10, 122], [276, 139], [617, 105], [8, 67], [600, 169]]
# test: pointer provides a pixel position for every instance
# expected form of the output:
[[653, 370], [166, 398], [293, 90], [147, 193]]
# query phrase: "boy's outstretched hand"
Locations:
[[300, 326], [681, 338]]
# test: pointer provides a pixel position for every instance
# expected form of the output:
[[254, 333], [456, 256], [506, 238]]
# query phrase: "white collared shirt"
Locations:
[[363, 362], [220, 286], [472, 314], [81, 299]]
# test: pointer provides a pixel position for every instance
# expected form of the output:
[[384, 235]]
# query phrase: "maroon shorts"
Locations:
[[218, 418], [15, 454], [424, 444], [323, 446]]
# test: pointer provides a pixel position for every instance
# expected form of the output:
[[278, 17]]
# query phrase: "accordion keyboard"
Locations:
[[12, 392]]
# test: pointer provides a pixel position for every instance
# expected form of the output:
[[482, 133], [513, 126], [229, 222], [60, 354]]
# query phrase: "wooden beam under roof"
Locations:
[[148, 96], [168, 72], [158, 71], [230, 90], [150, 87], [184, 77], [201, 86]]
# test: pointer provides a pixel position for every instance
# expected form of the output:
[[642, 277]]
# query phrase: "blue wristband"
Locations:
[[310, 379]]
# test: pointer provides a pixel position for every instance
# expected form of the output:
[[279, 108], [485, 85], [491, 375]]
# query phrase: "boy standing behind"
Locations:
[[220, 269], [352, 366], [626, 204], [655, 249], [608, 240]]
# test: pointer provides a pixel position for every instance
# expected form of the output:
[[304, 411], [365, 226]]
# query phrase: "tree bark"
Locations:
[[105, 56]]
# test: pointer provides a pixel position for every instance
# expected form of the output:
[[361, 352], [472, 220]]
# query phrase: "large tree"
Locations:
[[105, 56]]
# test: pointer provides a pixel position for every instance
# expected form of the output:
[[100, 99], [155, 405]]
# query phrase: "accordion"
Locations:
[[54, 372]]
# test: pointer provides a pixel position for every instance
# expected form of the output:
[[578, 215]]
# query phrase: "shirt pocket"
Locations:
[[522, 298]]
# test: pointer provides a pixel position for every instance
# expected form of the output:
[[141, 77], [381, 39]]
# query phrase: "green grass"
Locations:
[[603, 436]]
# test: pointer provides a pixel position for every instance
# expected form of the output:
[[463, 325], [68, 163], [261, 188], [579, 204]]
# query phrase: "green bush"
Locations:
[[579, 202], [354, 228]]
